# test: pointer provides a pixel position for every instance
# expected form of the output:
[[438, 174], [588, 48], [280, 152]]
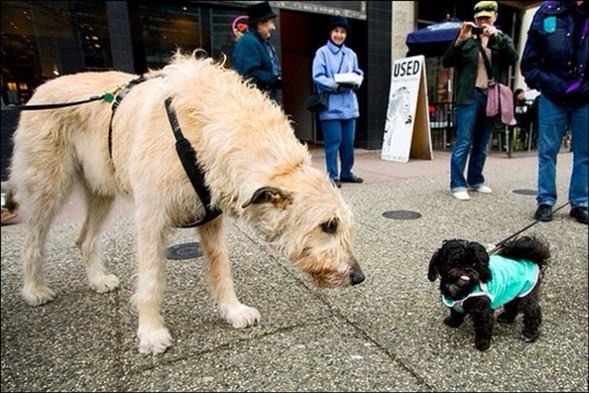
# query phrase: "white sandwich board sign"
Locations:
[[407, 129]]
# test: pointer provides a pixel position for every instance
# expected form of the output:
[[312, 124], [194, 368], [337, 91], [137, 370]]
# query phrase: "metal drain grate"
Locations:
[[525, 192], [401, 215], [184, 251]]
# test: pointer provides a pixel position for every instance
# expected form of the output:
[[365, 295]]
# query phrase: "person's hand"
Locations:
[[277, 83], [489, 30], [466, 30], [347, 86]]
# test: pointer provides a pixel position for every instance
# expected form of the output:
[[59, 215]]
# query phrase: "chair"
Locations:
[[442, 124]]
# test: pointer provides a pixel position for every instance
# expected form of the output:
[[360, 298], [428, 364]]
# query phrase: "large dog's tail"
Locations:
[[529, 248]]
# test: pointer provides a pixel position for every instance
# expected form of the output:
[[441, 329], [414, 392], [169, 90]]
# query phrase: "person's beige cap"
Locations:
[[485, 9]]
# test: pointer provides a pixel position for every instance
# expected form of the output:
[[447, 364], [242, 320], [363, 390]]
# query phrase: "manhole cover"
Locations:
[[184, 251], [525, 192], [402, 215]]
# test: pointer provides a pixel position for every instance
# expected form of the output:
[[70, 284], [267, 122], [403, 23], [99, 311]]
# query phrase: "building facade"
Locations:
[[42, 40]]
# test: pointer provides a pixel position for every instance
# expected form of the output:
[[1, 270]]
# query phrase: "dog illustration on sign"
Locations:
[[399, 112]]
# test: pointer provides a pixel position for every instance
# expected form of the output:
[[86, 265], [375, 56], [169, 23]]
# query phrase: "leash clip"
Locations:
[[109, 96]]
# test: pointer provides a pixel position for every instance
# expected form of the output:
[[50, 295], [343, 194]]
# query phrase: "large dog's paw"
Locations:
[[153, 340], [103, 282], [37, 295], [240, 315]]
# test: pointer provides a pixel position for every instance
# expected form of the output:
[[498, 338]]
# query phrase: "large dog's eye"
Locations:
[[329, 226]]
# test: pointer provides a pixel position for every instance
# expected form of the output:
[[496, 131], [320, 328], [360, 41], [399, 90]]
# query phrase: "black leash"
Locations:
[[501, 244], [39, 107]]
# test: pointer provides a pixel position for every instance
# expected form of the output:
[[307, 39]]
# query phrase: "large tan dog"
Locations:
[[254, 166]]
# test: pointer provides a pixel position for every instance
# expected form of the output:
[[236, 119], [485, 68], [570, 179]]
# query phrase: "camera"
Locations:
[[477, 30]]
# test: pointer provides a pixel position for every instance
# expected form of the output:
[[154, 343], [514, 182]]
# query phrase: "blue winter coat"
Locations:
[[252, 60], [554, 56], [342, 103]]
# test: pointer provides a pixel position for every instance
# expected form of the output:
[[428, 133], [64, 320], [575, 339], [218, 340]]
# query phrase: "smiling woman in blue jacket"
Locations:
[[555, 61], [338, 120]]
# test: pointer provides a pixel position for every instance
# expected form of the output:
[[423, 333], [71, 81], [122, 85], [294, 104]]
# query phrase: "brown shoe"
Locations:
[[8, 217]]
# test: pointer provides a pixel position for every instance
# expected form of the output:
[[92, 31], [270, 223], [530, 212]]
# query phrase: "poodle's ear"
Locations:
[[479, 256], [433, 272]]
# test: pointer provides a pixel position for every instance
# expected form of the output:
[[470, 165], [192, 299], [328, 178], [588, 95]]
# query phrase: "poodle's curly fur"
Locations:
[[461, 265]]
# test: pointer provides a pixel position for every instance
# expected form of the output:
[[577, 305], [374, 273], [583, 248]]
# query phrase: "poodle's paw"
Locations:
[[153, 340], [482, 344], [240, 315], [37, 295], [529, 337]]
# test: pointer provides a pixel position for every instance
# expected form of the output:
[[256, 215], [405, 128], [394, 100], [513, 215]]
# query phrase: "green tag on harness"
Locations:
[[108, 97]]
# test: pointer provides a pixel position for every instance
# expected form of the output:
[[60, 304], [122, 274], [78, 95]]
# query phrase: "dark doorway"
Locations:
[[301, 34]]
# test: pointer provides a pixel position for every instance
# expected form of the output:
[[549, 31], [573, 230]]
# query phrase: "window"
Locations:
[[167, 27], [44, 39]]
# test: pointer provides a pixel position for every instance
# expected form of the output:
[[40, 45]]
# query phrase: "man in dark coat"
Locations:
[[254, 56], [555, 61]]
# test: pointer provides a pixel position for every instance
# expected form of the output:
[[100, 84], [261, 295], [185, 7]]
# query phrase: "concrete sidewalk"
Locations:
[[386, 334]]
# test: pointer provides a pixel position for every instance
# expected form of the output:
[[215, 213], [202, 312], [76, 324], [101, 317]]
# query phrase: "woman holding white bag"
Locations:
[[336, 72]]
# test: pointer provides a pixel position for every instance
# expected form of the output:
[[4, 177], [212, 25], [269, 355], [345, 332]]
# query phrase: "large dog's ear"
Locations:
[[279, 198], [479, 256], [433, 273]]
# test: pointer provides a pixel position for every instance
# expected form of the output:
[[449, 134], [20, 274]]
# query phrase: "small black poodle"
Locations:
[[472, 282]]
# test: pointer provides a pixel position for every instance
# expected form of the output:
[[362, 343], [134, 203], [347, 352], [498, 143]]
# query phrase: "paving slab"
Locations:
[[386, 334]]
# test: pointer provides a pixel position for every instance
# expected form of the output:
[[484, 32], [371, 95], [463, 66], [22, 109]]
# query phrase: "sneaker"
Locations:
[[482, 189], [461, 195], [353, 179], [336, 183], [581, 214], [543, 213]]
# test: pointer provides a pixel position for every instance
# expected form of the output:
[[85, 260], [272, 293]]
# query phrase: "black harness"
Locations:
[[191, 167], [185, 152]]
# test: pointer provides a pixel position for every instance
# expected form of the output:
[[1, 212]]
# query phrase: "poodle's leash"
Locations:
[[501, 244]]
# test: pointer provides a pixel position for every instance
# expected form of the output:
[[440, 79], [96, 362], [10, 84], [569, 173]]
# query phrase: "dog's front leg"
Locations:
[[153, 335], [483, 320], [220, 279]]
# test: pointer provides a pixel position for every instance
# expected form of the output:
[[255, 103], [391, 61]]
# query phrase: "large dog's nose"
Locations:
[[356, 276]]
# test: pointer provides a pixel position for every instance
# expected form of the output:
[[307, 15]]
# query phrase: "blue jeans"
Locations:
[[338, 136], [553, 120], [473, 131]]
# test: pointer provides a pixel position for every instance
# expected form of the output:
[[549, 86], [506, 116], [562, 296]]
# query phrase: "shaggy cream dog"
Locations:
[[254, 166]]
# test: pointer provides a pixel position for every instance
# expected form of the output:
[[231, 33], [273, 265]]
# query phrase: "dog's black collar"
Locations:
[[192, 167]]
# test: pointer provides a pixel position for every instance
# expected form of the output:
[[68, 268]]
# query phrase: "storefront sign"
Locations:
[[350, 9], [407, 132]]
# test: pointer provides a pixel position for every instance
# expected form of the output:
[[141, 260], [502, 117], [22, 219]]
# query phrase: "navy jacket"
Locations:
[[555, 57], [251, 60]]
